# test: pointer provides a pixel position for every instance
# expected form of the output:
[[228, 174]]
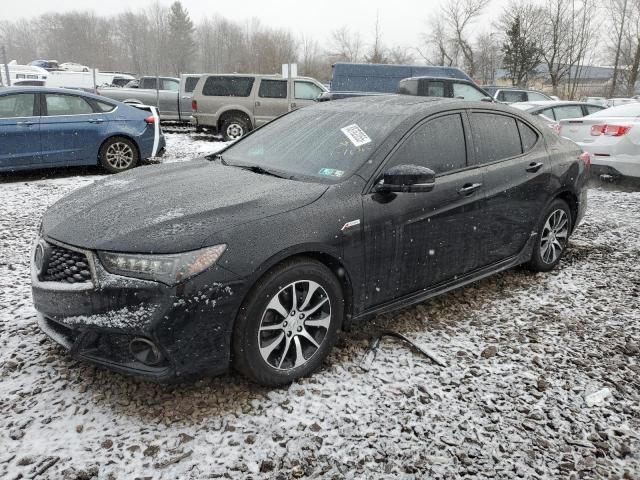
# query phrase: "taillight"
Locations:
[[194, 105], [610, 130], [150, 120], [556, 127], [586, 159], [616, 130]]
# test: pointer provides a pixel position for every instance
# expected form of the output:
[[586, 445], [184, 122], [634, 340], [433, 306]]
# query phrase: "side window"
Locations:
[[593, 109], [227, 86], [495, 137], [105, 107], [537, 97], [306, 91], [439, 145], [190, 84], [148, 83], [462, 90], [528, 136], [168, 84], [568, 111], [67, 105], [16, 106], [513, 96], [548, 112], [408, 87], [273, 89], [429, 88]]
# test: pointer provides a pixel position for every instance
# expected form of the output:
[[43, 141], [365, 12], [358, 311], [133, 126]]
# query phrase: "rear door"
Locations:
[[71, 130], [19, 130], [417, 240], [271, 100], [517, 181]]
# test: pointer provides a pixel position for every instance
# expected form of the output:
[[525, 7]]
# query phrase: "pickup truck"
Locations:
[[172, 98]]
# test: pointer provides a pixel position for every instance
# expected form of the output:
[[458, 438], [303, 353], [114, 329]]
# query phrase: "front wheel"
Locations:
[[553, 237], [289, 323], [118, 154]]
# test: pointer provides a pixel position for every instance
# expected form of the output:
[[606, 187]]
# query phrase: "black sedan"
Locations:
[[258, 256]]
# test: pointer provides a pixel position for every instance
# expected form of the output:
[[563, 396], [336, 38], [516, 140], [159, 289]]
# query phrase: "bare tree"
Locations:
[[346, 46], [440, 48], [377, 52]]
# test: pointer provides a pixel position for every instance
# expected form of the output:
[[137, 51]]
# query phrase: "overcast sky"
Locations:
[[402, 22]]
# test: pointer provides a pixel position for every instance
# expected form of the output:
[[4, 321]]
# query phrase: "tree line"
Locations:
[[557, 37]]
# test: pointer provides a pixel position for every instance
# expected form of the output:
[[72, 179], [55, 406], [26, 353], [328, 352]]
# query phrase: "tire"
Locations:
[[118, 154], [553, 237], [234, 128], [271, 331]]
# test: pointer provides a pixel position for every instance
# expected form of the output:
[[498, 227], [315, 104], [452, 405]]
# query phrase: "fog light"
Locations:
[[145, 351]]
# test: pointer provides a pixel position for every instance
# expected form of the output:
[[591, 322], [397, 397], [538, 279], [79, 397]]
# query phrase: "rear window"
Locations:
[[273, 89], [495, 137], [228, 86]]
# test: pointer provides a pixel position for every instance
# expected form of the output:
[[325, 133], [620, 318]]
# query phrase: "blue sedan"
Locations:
[[51, 127]]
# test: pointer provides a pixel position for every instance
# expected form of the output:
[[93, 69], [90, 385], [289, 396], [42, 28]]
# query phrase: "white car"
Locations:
[[74, 67], [611, 136], [614, 102]]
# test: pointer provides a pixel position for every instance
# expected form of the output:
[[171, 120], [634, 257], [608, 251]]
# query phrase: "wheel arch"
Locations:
[[119, 135], [234, 112], [572, 200]]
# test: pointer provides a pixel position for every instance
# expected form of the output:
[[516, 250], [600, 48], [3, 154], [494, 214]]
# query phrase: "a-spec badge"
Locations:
[[350, 224]]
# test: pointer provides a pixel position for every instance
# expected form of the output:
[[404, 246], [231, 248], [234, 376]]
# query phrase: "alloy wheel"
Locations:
[[235, 131], [294, 325], [554, 236], [119, 155]]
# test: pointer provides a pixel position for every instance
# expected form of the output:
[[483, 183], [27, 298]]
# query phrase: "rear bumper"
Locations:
[[617, 166]]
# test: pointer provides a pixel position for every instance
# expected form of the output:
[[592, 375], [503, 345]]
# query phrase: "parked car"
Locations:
[[442, 87], [612, 137], [172, 97], [233, 105], [602, 101], [74, 67], [614, 102], [365, 79], [325, 217], [46, 64], [558, 110], [512, 95], [50, 127]]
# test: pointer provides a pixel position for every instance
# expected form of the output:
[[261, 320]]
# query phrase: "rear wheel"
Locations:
[[118, 154], [289, 323], [234, 128], [553, 237]]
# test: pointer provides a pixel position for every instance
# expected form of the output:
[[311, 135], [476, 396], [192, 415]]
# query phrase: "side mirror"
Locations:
[[407, 178]]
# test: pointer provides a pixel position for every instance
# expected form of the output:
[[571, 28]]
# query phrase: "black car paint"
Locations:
[[194, 320]]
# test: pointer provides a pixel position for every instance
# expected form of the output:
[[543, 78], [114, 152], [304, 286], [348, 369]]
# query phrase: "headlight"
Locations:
[[170, 269]]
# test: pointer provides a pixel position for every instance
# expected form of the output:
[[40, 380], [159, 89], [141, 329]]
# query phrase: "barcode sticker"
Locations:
[[356, 135]]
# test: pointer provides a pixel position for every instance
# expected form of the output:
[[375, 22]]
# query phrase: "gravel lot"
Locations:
[[524, 355]]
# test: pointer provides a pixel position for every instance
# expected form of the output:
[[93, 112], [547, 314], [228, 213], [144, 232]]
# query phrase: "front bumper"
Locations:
[[190, 323]]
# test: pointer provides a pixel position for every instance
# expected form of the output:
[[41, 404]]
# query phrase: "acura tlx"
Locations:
[[257, 256]]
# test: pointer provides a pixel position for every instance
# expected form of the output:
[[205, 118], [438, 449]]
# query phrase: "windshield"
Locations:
[[627, 110], [324, 145]]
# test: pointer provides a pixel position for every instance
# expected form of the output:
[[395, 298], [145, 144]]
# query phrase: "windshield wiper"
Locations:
[[261, 171]]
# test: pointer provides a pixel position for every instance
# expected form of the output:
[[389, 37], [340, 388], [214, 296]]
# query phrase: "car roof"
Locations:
[[429, 77], [555, 103], [73, 91]]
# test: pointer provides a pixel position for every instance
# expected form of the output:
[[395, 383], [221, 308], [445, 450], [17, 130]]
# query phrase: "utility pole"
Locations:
[[6, 66]]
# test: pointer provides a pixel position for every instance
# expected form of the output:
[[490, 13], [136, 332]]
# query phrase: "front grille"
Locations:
[[64, 265]]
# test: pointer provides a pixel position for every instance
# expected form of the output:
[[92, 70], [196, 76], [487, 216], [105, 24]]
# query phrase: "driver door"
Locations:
[[418, 240]]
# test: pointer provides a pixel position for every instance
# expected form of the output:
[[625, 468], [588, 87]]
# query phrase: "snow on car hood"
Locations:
[[170, 208]]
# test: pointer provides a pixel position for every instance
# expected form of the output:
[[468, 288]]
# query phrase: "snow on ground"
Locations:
[[528, 358]]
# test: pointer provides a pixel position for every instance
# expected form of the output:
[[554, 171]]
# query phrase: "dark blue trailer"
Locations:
[[381, 78]]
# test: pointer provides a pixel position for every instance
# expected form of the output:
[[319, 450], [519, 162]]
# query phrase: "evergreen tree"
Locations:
[[521, 54], [181, 45]]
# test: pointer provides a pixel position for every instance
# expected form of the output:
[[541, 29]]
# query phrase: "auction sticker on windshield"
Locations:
[[356, 135], [331, 172]]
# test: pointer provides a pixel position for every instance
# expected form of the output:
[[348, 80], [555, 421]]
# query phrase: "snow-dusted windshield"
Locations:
[[322, 145]]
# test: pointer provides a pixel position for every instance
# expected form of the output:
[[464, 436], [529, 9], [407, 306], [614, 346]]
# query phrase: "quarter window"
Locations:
[[528, 136], [227, 86], [495, 137], [439, 145], [593, 109], [307, 91], [273, 89], [67, 105], [105, 107], [16, 106]]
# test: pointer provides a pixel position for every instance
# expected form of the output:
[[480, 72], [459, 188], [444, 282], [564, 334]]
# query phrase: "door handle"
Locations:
[[24, 124], [257, 104], [96, 120], [469, 188], [293, 105], [534, 167]]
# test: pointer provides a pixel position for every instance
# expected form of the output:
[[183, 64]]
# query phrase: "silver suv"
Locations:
[[234, 104]]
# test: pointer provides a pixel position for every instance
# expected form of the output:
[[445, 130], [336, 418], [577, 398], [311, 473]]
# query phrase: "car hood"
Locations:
[[170, 208]]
